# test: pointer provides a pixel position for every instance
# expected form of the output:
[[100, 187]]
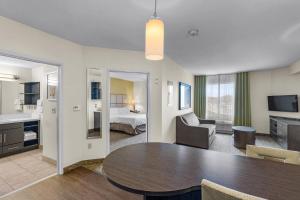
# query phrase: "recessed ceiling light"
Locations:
[[193, 32]]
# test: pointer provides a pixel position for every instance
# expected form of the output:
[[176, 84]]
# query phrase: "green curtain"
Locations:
[[242, 110], [200, 96]]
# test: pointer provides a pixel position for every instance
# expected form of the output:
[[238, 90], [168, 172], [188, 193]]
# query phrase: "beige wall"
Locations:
[[128, 61], [270, 82], [48, 121], [18, 39], [119, 86], [295, 68], [175, 73]]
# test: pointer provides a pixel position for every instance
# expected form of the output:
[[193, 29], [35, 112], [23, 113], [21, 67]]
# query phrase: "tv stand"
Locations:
[[286, 132]]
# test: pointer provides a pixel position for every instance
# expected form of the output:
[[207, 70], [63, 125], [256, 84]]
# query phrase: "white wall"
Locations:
[[19, 39], [131, 61], [23, 73], [270, 82], [295, 68], [175, 73], [140, 95], [48, 122]]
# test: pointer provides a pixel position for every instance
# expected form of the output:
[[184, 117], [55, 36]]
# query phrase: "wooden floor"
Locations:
[[79, 184]]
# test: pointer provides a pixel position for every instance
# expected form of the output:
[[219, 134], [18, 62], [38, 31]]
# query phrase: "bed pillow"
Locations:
[[119, 111], [114, 111], [124, 110]]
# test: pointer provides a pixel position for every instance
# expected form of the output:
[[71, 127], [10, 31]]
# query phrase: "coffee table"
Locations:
[[243, 135]]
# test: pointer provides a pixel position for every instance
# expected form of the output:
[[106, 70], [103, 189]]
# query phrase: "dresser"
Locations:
[[286, 132]]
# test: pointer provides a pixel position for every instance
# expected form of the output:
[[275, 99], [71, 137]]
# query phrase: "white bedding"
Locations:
[[124, 116]]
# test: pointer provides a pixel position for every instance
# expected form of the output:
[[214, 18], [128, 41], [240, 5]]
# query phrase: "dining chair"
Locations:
[[214, 191], [274, 154]]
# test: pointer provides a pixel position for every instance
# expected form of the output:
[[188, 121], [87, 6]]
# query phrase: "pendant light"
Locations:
[[154, 42]]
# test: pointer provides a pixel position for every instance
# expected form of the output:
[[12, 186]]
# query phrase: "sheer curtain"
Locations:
[[212, 97], [220, 97]]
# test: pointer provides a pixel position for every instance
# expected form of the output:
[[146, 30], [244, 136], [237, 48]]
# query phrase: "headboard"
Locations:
[[118, 100]]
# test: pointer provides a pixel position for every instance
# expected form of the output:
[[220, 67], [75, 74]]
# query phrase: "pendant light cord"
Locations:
[[155, 6]]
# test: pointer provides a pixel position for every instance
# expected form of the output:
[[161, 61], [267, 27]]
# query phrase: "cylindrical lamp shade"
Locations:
[[154, 49]]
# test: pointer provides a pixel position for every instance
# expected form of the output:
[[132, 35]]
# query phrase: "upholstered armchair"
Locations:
[[274, 154], [213, 191], [192, 131]]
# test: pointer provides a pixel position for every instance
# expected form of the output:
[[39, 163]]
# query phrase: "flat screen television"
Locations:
[[283, 103], [185, 98]]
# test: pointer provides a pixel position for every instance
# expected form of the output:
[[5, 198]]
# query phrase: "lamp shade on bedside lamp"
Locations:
[[154, 47], [133, 104]]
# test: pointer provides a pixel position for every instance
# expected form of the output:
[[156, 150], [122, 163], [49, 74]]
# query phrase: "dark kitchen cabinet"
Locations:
[[31, 93], [12, 137]]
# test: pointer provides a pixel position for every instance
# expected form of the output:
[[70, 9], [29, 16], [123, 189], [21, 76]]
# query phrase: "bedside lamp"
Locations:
[[133, 104]]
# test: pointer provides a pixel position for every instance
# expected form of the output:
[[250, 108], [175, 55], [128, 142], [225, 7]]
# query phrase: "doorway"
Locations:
[[29, 105], [128, 108]]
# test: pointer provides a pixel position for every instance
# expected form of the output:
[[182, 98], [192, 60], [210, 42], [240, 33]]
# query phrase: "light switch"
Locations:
[[76, 108]]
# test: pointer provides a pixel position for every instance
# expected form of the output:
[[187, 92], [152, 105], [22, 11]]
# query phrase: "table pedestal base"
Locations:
[[195, 195]]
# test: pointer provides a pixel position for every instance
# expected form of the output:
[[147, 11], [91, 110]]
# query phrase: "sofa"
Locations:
[[195, 132]]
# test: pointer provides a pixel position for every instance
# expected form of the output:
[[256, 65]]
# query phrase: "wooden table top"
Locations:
[[168, 169]]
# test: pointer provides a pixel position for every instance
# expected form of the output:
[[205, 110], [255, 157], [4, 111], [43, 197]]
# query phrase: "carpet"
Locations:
[[119, 139], [224, 143]]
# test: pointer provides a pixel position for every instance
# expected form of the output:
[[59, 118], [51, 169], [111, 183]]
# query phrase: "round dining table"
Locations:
[[169, 171]]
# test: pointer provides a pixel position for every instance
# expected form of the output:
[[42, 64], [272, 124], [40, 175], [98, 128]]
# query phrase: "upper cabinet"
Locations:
[[31, 93]]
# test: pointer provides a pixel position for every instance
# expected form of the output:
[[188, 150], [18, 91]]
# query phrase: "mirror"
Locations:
[[11, 97], [94, 103]]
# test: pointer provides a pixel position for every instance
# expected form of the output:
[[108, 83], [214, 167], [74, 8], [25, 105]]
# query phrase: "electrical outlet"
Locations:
[[89, 145], [76, 108]]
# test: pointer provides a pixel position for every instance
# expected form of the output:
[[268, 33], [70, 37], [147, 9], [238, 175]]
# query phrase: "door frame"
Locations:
[[59, 104], [108, 105]]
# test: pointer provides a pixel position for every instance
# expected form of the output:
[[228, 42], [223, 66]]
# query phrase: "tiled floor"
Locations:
[[22, 169]]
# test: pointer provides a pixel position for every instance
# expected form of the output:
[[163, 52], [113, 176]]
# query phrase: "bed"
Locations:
[[121, 119]]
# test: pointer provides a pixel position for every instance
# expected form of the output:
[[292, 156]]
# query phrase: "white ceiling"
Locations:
[[234, 35]]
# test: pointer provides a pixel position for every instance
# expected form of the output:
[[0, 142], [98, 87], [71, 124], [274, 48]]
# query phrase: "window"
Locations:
[[220, 97]]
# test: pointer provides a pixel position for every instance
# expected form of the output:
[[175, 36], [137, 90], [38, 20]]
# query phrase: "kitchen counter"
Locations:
[[14, 128], [15, 118]]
